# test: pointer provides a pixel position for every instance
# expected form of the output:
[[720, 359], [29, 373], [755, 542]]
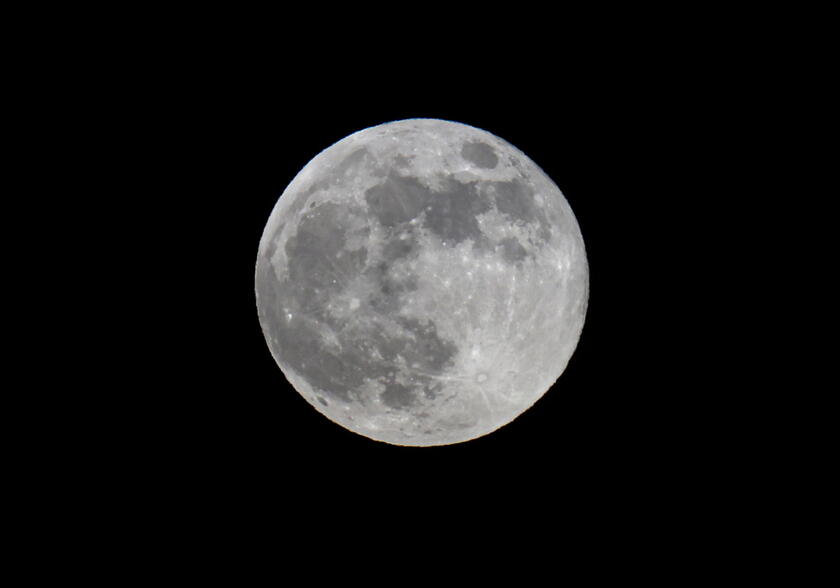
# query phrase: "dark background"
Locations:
[[179, 434], [616, 407], [182, 432], [626, 423]]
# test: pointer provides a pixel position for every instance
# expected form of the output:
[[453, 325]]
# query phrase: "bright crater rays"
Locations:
[[422, 282]]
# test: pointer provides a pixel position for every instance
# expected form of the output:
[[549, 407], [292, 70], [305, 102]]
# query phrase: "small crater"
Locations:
[[322, 401], [481, 377], [480, 154]]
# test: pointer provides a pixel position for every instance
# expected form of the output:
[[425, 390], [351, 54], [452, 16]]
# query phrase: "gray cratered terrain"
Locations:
[[422, 282]]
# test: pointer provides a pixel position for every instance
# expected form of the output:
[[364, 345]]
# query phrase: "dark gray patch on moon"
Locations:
[[399, 246], [481, 154], [424, 348], [398, 396], [386, 287], [512, 250], [452, 213], [337, 354], [397, 200], [319, 265], [402, 161], [515, 199]]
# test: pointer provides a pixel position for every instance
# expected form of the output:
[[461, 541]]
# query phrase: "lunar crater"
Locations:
[[481, 154]]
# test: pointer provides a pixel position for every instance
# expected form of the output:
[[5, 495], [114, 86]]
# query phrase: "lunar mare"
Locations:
[[422, 282]]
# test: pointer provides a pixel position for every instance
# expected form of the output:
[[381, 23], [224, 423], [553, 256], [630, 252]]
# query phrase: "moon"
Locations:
[[422, 282]]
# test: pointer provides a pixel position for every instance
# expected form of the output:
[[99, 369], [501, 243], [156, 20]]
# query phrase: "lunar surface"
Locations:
[[422, 282]]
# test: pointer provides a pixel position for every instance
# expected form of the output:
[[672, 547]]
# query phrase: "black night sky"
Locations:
[[625, 411]]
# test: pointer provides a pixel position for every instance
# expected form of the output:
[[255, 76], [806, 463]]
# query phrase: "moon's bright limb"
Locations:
[[422, 282]]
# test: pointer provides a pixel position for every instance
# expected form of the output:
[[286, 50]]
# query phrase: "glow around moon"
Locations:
[[422, 282]]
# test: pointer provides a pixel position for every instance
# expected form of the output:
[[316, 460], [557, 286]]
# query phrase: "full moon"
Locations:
[[422, 282]]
